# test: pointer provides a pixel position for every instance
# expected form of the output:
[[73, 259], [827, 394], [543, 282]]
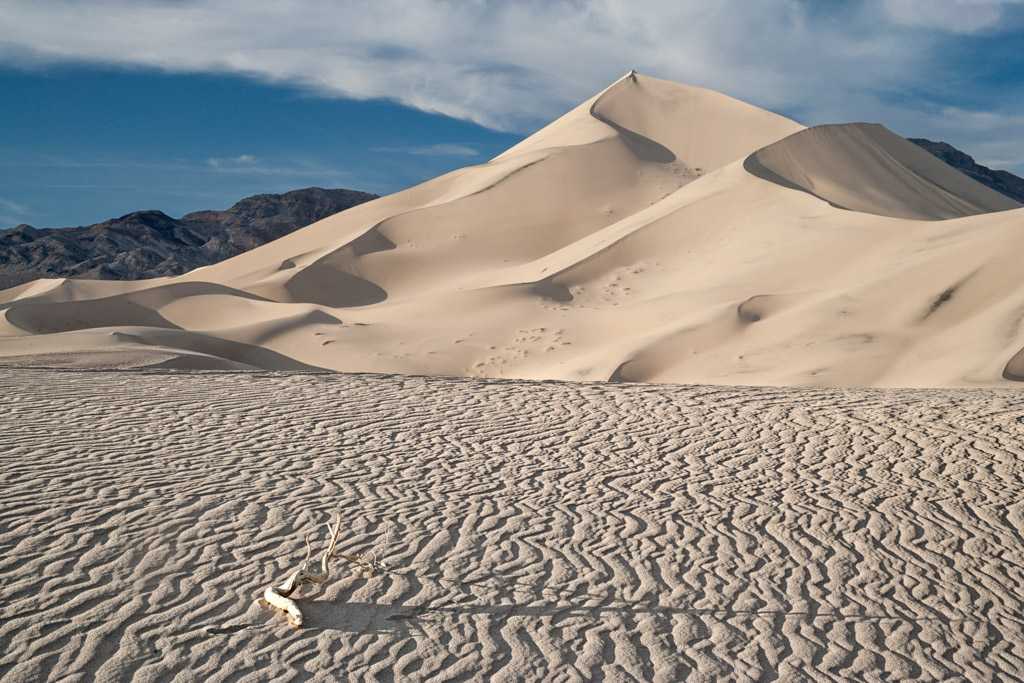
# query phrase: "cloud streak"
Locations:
[[244, 164], [11, 213], [954, 16], [13, 207], [242, 160], [437, 150]]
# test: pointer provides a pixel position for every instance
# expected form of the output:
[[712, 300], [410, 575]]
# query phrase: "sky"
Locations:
[[111, 106]]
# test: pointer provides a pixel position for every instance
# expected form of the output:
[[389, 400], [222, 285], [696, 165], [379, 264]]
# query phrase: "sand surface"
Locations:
[[656, 233], [541, 531]]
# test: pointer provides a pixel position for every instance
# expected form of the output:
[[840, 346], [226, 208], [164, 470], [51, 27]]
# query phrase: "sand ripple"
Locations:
[[541, 531]]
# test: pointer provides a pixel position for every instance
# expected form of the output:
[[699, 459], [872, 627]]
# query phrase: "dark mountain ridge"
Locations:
[[146, 244], [1003, 182]]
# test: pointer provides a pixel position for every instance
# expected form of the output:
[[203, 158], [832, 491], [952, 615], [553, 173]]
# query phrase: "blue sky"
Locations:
[[116, 105], [84, 144]]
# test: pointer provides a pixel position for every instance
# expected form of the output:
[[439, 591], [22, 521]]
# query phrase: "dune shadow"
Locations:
[[549, 289], [371, 242], [642, 147], [363, 617], [755, 167], [358, 617], [1014, 368], [326, 285]]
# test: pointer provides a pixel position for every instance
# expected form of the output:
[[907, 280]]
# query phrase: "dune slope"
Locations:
[[865, 167], [657, 232]]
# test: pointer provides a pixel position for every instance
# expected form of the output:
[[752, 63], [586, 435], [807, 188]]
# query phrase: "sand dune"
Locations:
[[865, 167], [541, 531], [657, 232]]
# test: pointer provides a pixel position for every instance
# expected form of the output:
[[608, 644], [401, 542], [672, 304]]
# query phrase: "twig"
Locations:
[[281, 596]]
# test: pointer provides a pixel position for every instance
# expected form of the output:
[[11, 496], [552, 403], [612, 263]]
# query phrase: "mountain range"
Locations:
[[148, 244]]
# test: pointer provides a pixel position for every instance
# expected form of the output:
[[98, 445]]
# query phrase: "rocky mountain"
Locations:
[[147, 244], [1001, 181]]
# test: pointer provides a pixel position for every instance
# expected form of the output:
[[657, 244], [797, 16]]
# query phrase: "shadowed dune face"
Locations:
[[657, 232], [82, 315], [1014, 369], [866, 167], [332, 287]]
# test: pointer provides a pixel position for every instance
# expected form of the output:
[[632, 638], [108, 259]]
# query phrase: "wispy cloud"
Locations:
[[247, 165], [228, 162], [438, 150], [954, 16], [243, 164], [14, 208], [509, 65], [12, 213], [516, 65]]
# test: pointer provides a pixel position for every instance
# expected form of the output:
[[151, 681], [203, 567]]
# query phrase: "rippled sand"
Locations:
[[540, 530]]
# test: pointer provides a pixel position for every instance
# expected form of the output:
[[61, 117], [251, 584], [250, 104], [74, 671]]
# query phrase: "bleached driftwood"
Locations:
[[281, 596]]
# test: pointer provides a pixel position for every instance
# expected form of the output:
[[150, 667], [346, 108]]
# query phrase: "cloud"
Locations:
[[993, 138], [955, 16], [247, 165], [503, 64], [243, 164], [13, 208], [438, 150], [516, 65], [12, 213], [227, 162]]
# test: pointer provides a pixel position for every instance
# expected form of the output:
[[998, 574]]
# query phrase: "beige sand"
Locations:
[[656, 233], [542, 531]]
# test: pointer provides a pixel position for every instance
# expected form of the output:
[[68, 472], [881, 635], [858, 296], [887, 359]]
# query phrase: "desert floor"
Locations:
[[540, 531]]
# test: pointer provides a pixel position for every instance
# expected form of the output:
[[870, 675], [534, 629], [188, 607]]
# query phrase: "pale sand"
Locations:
[[656, 233], [542, 531]]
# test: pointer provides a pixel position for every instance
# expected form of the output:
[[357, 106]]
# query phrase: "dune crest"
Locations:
[[657, 232]]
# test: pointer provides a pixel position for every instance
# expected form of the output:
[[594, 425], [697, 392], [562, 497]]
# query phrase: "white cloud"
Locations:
[[444, 150], [993, 138], [438, 150], [509, 65], [954, 16], [956, 117], [249, 165], [514, 65], [227, 162]]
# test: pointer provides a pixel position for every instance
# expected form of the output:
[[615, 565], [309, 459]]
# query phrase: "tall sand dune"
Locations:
[[657, 232]]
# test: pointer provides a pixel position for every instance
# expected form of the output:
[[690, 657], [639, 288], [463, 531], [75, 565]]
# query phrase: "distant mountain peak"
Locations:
[[1003, 182]]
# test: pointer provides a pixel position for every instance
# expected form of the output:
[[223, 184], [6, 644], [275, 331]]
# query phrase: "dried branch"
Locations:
[[280, 596]]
